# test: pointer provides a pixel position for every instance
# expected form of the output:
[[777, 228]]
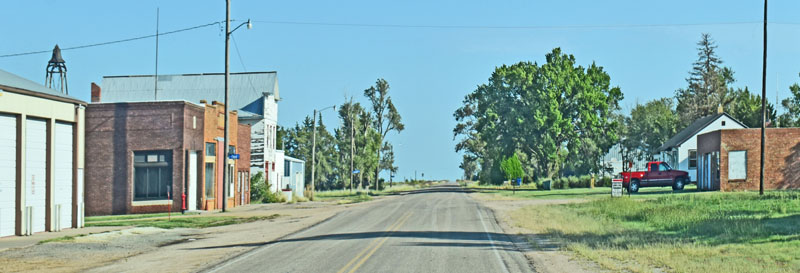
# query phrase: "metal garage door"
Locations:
[[8, 174], [63, 176], [35, 171]]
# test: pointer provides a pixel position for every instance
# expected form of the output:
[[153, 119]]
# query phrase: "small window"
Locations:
[[231, 149], [692, 159], [723, 123], [211, 149], [286, 167]]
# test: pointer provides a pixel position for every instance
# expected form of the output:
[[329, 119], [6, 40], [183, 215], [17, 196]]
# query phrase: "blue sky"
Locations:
[[647, 48]]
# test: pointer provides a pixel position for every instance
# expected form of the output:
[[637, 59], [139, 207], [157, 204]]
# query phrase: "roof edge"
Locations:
[[41, 95]]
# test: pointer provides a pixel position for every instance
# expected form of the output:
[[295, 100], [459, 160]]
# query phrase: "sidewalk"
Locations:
[[12, 242], [145, 249]]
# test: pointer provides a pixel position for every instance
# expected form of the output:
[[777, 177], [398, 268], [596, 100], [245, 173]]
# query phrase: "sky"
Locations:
[[432, 53]]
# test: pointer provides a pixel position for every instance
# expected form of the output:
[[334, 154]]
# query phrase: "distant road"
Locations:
[[439, 229]]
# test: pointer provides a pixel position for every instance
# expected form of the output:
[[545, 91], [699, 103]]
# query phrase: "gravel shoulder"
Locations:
[[146, 249], [545, 255]]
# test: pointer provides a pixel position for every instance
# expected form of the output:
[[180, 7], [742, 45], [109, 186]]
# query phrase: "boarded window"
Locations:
[[737, 165]]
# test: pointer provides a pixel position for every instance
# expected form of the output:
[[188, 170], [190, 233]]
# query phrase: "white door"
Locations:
[[191, 195], [63, 174], [35, 171], [8, 174]]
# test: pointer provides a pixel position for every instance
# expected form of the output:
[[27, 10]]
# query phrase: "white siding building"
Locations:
[[254, 95], [41, 158], [680, 151]]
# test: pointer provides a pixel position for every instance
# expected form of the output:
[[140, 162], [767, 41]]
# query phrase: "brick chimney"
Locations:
[[95, 92]]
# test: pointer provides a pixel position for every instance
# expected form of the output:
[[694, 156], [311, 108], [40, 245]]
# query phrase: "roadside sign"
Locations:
[[233, 156], [356, 171], [616, 188]]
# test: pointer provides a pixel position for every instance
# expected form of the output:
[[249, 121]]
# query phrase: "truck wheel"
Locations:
[[679, 183], [633, 186]]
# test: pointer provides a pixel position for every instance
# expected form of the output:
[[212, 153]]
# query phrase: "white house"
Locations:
[[293, 176], [680, 151], [253, 94]]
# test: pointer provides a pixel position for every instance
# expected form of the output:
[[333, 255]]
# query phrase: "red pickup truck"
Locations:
[[658, 174]]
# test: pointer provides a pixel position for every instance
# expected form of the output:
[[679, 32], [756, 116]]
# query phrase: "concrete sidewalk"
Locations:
[[12, 242]]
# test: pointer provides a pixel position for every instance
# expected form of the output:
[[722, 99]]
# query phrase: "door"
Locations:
[[35, 172], [63, 175], [191, 176], [8, 174], [219, 197]]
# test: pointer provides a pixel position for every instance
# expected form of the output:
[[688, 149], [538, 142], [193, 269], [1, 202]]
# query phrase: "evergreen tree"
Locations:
[[707, 84]]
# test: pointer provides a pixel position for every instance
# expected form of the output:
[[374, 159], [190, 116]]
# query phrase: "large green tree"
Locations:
[[386, 119], [543, 112], [791, 106], [708, 82], [746, 108], [649, 126]]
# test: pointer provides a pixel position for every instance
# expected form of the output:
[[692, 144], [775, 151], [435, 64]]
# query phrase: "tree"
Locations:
[[543, 113], [746, 108], [707, 84], [649, 126], [791, 118], [512, 168], [386, 118]]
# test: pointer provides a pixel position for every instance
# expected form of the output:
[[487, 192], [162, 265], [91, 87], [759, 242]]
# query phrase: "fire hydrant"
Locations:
[[183, 203]]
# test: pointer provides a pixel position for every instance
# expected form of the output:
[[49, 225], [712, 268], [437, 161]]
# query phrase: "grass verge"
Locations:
[[184, 222], [132, 216], [583, 193], [716, 232]]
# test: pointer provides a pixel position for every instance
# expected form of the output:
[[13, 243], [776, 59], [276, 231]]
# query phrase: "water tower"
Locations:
[[57, 67]]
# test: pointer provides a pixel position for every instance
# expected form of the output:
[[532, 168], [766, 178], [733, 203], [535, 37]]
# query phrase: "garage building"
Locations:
[[41, 158]]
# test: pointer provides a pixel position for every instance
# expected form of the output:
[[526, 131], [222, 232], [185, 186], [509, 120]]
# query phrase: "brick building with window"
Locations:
[[143, 156], [729, 160]]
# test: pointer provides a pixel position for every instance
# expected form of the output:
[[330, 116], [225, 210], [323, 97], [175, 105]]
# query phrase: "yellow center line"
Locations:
[[355, 267], [371, 244]]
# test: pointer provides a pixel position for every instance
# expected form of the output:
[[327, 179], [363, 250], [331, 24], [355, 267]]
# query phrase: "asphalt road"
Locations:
[[440, 229]]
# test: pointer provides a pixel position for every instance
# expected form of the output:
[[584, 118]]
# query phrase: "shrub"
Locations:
[[604, 181], [585, 181], [258, 188], [574, 182]]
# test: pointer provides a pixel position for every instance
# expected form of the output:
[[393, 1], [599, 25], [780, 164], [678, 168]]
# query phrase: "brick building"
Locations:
[[145, 155], [729, 160]]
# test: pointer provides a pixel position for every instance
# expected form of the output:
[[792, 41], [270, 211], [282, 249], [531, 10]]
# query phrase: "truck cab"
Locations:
[[658, 174]]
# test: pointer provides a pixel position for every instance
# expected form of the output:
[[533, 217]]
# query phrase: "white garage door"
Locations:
[[8, 174], [63, 174], [35, 171]]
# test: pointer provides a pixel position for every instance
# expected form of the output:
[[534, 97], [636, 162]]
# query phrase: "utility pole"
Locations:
[[313, 153], [225, 107], [314, 149], [352, 143], [155, 90], [763, 103], [225, 171]]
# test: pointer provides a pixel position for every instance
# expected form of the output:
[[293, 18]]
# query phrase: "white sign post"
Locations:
[[616, 188]]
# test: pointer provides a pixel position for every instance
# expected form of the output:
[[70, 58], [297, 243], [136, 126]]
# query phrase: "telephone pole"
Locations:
[[763, 103]]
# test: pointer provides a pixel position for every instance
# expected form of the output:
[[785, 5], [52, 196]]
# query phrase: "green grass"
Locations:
[[184, 222], [347, 197], [131, 216], [69, 238], [584, 193], [715, 232]]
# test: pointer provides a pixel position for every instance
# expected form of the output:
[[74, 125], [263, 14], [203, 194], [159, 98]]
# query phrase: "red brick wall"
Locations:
[[781, 158], [115, 131], [214, 128]]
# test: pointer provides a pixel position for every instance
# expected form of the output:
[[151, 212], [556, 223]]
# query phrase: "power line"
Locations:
[[502, 27], [113, 42]]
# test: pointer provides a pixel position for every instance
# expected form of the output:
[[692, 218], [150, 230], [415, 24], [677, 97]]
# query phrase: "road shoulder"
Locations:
[[545, 255]]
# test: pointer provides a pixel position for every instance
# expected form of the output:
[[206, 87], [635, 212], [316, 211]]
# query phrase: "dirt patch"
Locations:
[[544, 254]]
